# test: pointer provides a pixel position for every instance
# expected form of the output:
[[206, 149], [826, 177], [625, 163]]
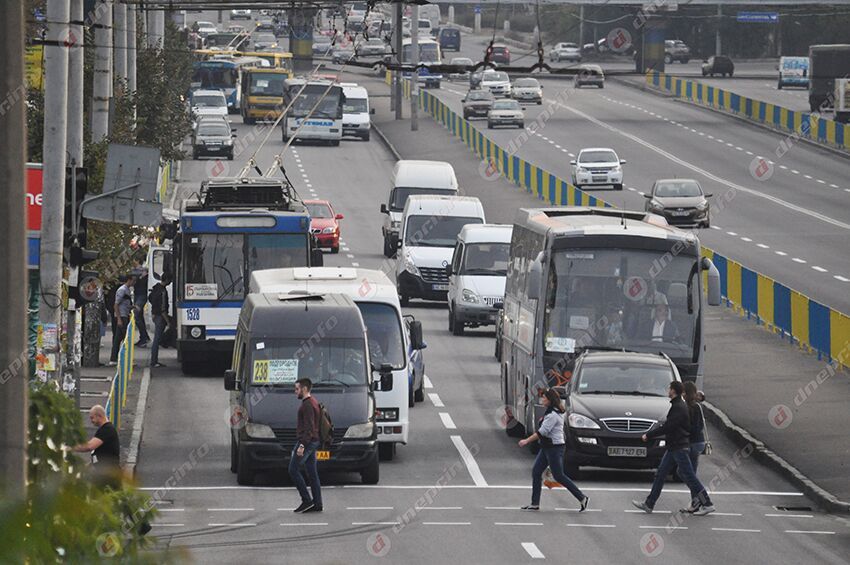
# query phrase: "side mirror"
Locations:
[[386, 381], [371, 111], [232, 136], [622, 161], [384, 209], [230, 380], [463, 99], [535, 278], [648, 195], [572, 162], [713, 281], [416, 338], [708, 194], [317, 258], [339, 217], [499, 305], [448, 270]]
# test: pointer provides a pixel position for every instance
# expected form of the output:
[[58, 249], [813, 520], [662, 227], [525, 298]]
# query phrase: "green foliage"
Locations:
[[35, 125], [54, 423]]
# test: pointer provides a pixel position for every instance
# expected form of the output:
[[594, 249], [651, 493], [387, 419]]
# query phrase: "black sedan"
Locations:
[[718, 65], [612, 399], [681, 201]]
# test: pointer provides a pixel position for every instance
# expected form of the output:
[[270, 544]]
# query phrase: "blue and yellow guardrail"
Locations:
[[805, 124], [123, 374], [783, 310]]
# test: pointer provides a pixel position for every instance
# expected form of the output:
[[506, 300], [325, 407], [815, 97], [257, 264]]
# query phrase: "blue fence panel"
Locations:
[[819, 326], [749, 291], [782, 307], [720, 263]]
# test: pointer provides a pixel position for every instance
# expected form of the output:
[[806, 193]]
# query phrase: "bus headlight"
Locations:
[[360, 431], [260, 431], [196, 332], [582, 422], [386, 414]]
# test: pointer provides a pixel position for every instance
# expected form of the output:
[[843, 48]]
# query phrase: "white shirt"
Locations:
[[658, 330]]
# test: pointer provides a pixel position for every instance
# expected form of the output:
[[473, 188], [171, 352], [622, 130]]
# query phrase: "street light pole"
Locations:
[[414, 60], [397, 40], [102, 86]]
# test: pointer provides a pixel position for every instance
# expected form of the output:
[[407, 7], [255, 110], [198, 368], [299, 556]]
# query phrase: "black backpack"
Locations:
[[326, 427]]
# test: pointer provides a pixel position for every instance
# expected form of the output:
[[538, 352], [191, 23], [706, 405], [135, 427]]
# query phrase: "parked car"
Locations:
[[449, 38], [324, 224], [372, 48], [477, 103], [676, 50], [680, 201], [505, 113], [343, 54], [501, 55], [243, 14], [213, 138], [718, 65], [527, 90], [597, 166], [589, 75], [612, 399], [460, 62], [565, 52], [496, 82]]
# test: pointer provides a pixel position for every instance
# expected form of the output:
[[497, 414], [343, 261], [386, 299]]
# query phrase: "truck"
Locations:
[[826, 63]]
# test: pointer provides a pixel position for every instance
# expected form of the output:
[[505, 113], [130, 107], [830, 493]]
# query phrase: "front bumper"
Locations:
[[359, 130], [601, 179], [520, 97], [693, 217], [213, 149], [477, 111], [201, 349], [415, 286], [597, 455], [327, 240], [500, 90], [478, 315], [346, 456], [496, 121], [589, 81]]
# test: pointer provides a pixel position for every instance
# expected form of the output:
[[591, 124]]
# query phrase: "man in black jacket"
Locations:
[[676, 432]]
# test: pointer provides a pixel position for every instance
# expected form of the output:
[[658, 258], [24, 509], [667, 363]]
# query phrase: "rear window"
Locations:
[[449, 32]]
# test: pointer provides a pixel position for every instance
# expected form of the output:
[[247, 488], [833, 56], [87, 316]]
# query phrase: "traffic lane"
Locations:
[[793, 98], [765, 238]]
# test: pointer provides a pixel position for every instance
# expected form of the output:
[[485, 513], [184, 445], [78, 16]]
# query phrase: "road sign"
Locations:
[[758, 17], [477, 9]]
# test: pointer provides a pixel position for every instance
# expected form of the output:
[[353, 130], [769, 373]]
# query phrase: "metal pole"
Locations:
[[13, 277], [717, 43], [119, 43], [102, 72], [53, 192], [75, 85], [131, 47], [581, 27], [414, 60], [397, 39]]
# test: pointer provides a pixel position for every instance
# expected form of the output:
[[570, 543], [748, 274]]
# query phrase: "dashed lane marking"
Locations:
[[297, 524], [789, 515], [810, 532], [447, 421], [591, 525], [469, 460], [517, 523], [446, 523], [740, 530], [436, 400], [428, 383], [532, 550]]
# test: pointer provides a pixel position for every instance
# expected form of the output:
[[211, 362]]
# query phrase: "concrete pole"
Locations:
[[717, 43], [476, 26], [398, 9], [159, 27], [414, 60], [151, 27], [75, 86], [119, 43], [101, 88], [13, 277], [581, 27], [53, 205], [451, 15], [131, 47]]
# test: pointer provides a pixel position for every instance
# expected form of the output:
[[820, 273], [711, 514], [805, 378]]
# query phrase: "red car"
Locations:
[[324, 223], [501, 55]]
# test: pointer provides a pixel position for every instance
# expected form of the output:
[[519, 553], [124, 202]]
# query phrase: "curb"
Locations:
[[138, 424], [390, 147], [773, 461], [811, 142]]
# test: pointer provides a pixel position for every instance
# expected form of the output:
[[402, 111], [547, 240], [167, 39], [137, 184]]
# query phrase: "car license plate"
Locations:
[[599, 179], [213, 148], [626, 452], [325, 455], [681, 213], [439, 287]]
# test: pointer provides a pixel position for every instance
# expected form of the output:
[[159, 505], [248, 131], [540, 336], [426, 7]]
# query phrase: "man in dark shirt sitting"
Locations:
[[105, 448], [304, 451]]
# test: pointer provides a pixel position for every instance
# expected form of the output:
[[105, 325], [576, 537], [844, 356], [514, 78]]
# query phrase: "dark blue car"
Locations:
[[449, 38]]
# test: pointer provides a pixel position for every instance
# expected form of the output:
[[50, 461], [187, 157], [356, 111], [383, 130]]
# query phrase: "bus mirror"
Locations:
[[384, 209], [317, 257], [448, 270], [416, 340], [535, 279], [371, 111], [713, 282], [230, 380], [499, 305]]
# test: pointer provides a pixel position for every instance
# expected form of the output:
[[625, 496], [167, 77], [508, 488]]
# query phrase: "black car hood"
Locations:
[[278, 407], [598, 406]]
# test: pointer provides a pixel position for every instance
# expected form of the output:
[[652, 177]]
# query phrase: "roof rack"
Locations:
[[249, 192]]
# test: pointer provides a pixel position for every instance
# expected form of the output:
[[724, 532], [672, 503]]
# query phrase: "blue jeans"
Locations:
[[681, 458], [552, 457], [308, 461], [159, 329]]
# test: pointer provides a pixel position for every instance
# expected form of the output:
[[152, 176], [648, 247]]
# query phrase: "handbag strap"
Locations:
[[704, 425]]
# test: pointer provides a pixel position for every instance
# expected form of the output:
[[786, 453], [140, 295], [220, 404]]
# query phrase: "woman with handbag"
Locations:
[[550, 434], [699, 444]]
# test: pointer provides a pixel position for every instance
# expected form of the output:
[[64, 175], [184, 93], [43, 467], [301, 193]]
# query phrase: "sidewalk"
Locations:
[[779, 395]]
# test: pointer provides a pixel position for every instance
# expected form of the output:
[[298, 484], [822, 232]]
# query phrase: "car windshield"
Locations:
[[598, 157], [264, 38], [399, 196], [480, 95], [526, 83], [673, 189], [355, 106], [209, 101], [639, 379], [570, 46], [506, 105], [213, 130], [386, 344], [317, 210], [326, 362], [495, 77], [486, 259], [435, 231], [375, 43]]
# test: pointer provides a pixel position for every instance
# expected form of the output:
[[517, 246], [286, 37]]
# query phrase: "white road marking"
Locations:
[[374, 523], [739, 148], [355, 264], [726, 514], [171, 509], [783, 167], [469, 460], [517, 523], [230, 509], [747, 239], [428, 383], [742, 530], [632, 188], [166, 525], [435, 400], [576, 510], [532, 550], [446, 523], [370, 508], [501, 508], [349, 255], [665, 527], [731, 233], [762, 245], [809, 532], [819, 269], [798, 260], [296, 524], [441, 508], [842, 279], [821, 181], [447, 421], [642, 512], [795, 171], [716, 228], [591, 525], [808, 177], [236, 525], [557, 146], [749, 152], [789, 515], [781, 253], [833, 185]]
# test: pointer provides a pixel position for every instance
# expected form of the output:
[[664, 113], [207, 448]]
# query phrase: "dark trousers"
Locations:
[[159, 329], [308, 462], [141, 325], [552, 457], [681, 459], [118, 333]]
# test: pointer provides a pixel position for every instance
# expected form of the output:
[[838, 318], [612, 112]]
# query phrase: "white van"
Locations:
[[390, 340], [429, 229], [477, 275], [356, 112]]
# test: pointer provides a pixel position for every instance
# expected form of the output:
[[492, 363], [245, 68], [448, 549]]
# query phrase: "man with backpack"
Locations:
[[159, 311], [307, 441]]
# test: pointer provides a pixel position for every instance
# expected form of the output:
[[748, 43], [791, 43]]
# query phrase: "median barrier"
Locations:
[[123, 374]]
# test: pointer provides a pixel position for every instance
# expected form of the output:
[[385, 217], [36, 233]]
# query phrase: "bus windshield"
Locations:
[[329, 107], [386, 344], [428, 53], [217, 76], [328, 362], [621, 298], [227, 260], [266, 84]]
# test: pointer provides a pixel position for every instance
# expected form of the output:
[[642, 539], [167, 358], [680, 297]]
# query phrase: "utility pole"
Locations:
[[13, 277], [53, 192], [398, 34], [101, 88], [717, 43], [119, 43], [414, 60], [131, 47], [581, 27]]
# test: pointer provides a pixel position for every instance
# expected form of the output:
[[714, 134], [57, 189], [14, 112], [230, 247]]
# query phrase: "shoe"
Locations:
[[141, 344], [314, 508], [531, 508], [157, 365], [584, 503], [690, 509], [640, 505], [304, 507], [704, 510]]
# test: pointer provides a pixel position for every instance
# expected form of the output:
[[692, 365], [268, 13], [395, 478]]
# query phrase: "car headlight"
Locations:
[[228, 142], [655, 205], [702, 205], [386, 414], [617, 169], [360, 431], [582, 170], [409, 266], [329, 230], [582, 422], [470, 296], [260, 431]]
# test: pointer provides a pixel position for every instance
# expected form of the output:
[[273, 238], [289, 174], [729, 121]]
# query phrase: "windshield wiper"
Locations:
[[331, 382], [597, 392], [638, 393]]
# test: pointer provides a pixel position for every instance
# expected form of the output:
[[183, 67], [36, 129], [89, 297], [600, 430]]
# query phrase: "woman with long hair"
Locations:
[[550, 434], [697, 439]]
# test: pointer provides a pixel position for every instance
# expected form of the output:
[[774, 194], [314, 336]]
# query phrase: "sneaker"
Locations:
[[691, 508], [314, 508], [305, 506], [141, 344], [157, 365], [640, 505], [584, 503], [531, 508], [704, 510]]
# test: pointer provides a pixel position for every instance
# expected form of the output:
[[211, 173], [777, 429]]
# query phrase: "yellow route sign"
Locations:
[[34, 69]]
